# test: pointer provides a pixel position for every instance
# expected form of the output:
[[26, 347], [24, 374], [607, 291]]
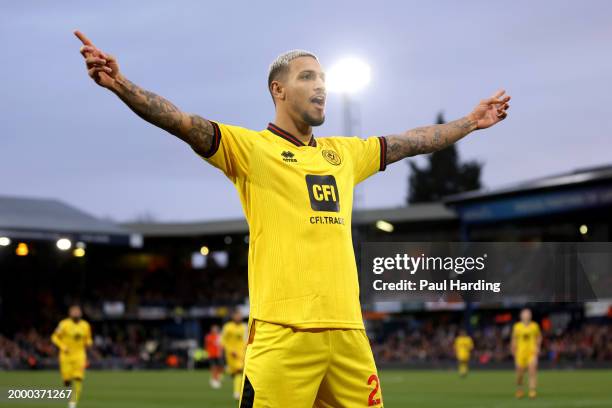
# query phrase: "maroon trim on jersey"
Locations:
[[216, 140], [288, 136], [383, 153]]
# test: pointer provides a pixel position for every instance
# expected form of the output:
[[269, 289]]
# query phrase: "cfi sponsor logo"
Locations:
[[332, 157], [288, 157]]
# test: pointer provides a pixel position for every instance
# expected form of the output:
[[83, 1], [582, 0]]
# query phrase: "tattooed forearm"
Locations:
[[427, 139], [200, 134], [193, 129]]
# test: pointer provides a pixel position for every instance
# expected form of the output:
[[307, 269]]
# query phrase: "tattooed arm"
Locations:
[[429, 139], [193, 129], [104, 70]]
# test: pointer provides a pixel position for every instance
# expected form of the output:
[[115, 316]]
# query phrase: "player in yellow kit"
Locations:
[[307, 344], [525, 346], [72, 337], [233, 340], [463, 348]]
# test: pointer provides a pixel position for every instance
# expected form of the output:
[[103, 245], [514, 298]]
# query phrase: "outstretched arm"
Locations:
[[104, 70], [429, 139]]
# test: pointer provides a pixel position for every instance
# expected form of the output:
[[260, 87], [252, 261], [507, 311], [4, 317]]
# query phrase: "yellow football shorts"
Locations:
[[523, 358], [287, 367], [463, 356], [234, 360], [72, 368]]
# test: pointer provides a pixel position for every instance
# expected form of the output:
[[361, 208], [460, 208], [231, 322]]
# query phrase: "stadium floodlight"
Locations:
[[63, 244], [22, 249], [349, 75], [5, 241], [584, 229], [204, 250], [198, 261], [384, 226], [78, 252]]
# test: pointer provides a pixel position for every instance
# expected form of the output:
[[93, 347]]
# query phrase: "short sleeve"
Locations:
[[230, 150], [368, 156]]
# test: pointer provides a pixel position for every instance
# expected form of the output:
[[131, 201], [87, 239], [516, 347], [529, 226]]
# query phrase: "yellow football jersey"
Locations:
[[233, 336], [298, 200], [463, 344], [526, 335], [75, 336]]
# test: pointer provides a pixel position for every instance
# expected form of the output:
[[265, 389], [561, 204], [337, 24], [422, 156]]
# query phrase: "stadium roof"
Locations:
[[37, 218], [413, 213], [579, 177]]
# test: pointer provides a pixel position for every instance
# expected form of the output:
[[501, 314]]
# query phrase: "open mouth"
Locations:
[[318, 100]]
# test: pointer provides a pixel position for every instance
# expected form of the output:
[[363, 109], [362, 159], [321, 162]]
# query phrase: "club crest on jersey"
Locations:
[[323, 193], [288, 157], [332, 157]]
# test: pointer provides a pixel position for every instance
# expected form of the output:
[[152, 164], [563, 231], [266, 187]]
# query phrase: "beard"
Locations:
[[312, 121]]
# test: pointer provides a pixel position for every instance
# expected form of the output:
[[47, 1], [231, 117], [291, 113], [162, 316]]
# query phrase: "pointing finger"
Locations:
[[83, 38]]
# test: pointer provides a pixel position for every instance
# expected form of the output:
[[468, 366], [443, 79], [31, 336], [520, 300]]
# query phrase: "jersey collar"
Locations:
[[289, 137]]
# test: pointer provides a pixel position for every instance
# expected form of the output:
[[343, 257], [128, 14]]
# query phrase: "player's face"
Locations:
[[526, 316], [237, 317], [305, 90], [75, 313]]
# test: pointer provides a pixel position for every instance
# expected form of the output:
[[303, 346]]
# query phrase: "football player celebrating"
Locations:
[[307, 344]]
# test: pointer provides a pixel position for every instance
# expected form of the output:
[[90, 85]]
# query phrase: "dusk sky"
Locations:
[[64, 137]]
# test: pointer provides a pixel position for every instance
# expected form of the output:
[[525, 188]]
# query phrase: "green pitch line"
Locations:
[[401, 388]]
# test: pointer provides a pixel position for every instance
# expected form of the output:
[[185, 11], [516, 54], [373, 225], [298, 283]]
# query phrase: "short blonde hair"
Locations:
[[280, 65]]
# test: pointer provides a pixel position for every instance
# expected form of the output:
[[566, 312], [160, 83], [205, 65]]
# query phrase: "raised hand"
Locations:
[[491, 110], [101, 67]]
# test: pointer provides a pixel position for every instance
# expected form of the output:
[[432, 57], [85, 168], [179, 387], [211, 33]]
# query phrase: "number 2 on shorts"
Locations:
[[371, 400]]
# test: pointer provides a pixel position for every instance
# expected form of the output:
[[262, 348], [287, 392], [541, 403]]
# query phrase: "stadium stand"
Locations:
[[151, 290]]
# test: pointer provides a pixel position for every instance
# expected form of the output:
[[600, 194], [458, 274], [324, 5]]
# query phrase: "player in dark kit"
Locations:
[[307, 344]]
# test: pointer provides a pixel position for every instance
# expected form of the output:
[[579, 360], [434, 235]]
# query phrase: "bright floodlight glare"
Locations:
[[584, 229], [384, 226], [204, 250], [348, 75], [64, 244], [79, 252], [5, 241]]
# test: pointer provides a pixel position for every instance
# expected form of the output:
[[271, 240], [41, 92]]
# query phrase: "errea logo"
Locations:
[[288, 157]]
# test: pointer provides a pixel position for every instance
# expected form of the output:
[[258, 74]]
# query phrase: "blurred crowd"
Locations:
[[132, 345], [589, 342]]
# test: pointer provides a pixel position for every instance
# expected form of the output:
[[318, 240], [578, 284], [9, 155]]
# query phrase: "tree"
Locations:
[[442, 176]]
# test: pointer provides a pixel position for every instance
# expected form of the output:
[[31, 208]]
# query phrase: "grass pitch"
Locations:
[[401, 388]]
